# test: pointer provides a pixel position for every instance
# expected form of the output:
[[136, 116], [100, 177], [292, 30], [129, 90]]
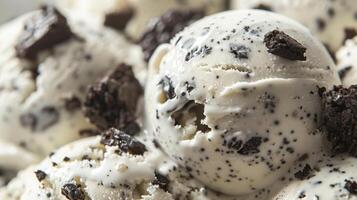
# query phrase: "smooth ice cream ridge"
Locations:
[[221, 101]]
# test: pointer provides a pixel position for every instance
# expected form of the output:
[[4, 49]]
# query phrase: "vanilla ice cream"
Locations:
[[234, 98], [335, 179], [347, 62], [132, 16], [115, 166], [41, 92], [332, 21]]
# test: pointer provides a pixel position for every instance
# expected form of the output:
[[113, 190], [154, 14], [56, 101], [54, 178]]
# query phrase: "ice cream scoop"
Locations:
[[234, 98], [332, 21], [334, 180], [131, 16], [347, 62], [114, 166], [46, 64]]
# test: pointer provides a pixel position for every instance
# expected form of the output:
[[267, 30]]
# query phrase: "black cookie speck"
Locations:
[[112, 101], [342, 73], [339, 118], [239, 51], [251, 146], [165, 27], [72, 103], [263, 7], [72, 192], [125, 142], [42, 31], [167, 87], [118, 20], [281, 44], [305, 173], [349, 34], [351, 186], [40, 175], [162, 181]]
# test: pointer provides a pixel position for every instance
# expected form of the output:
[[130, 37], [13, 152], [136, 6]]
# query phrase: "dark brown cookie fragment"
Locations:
[[112, 101], [44, 30], [339, 118], [263, 7], [118, 20], [251, 146], [72, 103], [162, 181], [282, 45], [125, 142], [40, 175], [351, 186], [73, 192], [305, 173], [165, 27], [349, 34]]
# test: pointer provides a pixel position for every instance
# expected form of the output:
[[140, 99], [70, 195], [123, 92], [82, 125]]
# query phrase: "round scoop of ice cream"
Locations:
[[347, 62], [335, 180], [45, 69], [131, 16], [114, 166], [234, 98], [332, 21]]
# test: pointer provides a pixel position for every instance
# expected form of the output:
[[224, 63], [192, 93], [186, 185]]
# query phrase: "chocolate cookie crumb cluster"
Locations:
[[43, 31], [165, 27], [281, 44], [112, 101], [339, 119]]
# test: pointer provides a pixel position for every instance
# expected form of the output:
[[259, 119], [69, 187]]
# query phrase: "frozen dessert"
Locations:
[[113, 166], [347, 62], [131, 16], [164, 28], [332, 21], [46, 64], [234, 98], [335, 179]]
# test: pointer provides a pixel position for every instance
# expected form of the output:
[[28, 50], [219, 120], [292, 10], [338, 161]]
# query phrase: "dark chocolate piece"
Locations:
[[118, 20], [125, 142], [305, 173], [339, 118], [351, 186], [162, 181], [165, 27], [112, 101], [73, 192], [40, 175], [42, 31], [281, 44]]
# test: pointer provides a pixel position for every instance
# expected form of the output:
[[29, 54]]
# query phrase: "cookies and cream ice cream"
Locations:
[[347, 62], [46, 65], [114, 166], [234, 98], [332, 21], [335, 179]]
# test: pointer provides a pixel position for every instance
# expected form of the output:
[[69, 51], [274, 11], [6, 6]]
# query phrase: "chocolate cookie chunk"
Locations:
[[112, 101], [282, 45], [165, 27], [118, 20], [73, 192], [42, 31], [339, 118], [125, 142]]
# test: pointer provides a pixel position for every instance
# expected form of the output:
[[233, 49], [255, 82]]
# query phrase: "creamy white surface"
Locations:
[[327, 184], [64, 72], [235, 103], [309, 12], [347, 60], [94, 11]]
